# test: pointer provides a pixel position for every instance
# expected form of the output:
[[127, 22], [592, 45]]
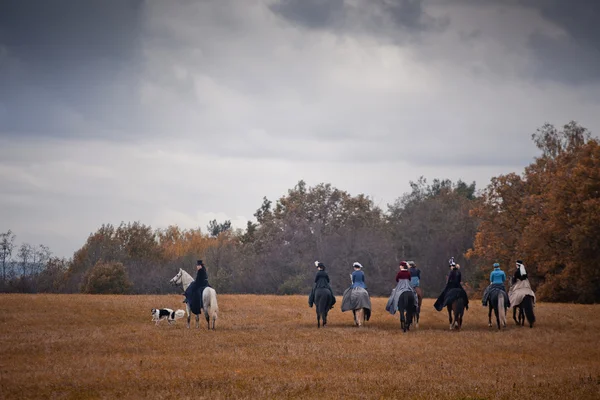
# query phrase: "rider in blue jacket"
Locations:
[[358, 276], [497, 279]]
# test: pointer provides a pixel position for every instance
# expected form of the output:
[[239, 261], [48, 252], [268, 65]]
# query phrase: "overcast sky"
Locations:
[[180, 112]]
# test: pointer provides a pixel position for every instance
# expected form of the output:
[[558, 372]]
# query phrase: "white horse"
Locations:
[[209, 299]]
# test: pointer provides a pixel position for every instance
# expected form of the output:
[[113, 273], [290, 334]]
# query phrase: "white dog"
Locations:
[[159, 314]]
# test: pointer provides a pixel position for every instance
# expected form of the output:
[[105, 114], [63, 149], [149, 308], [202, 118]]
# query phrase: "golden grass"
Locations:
[[86, 346]]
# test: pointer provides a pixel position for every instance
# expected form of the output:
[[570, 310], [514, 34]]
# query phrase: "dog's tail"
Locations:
[[179, 314]]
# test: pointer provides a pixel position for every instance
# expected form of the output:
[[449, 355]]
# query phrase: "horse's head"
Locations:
[[176, 280]]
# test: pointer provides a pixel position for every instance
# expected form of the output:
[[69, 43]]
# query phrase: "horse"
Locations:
[[496, 302], [420, 301], [209, 299], [406, 307], [357, 300], [323, 302], [456, 309], [525, 310]]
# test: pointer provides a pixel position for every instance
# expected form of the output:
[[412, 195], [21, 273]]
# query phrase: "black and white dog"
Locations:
[[159, 314]]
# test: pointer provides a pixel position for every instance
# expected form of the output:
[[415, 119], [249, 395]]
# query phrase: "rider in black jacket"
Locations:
[[193, 294], [321, 281]]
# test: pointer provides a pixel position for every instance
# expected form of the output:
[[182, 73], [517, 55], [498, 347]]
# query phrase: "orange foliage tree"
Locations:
[[549, 217]]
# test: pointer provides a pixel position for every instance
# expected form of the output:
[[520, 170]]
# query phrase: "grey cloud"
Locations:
[[320, 14], [397, 20], [67, 60], [571, 57], [574, 58]]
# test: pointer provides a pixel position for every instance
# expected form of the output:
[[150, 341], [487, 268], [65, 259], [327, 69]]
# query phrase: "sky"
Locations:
[[181, 112]]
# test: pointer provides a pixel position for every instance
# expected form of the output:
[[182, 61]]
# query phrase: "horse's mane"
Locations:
[[186, 279], [184, 273]]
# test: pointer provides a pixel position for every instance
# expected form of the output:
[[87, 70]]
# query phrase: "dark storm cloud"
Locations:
[[572, 57], [575, 57], [67, 64], [318, 14], [386, 18]]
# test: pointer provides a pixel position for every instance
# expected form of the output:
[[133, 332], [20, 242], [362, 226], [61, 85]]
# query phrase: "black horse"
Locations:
[[455, 305], [323, 302], [407, 309], [497, 302], [525, 310]]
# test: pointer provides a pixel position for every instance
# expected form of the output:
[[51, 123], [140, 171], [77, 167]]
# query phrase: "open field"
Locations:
[[85, 346]]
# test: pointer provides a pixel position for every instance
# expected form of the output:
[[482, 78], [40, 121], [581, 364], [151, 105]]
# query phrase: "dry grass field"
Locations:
[[86, 347]]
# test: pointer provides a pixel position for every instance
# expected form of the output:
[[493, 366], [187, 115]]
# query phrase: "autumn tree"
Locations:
[[549, 216], [106, 278]]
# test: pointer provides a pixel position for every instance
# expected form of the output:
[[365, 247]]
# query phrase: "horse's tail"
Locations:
[[210, 303], [501, 309], [528, 309], [410, 311], [179, 314]]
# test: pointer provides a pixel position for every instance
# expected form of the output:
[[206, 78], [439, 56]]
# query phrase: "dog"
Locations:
[[159, 314]]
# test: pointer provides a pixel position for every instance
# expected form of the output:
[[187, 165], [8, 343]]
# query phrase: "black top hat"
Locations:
[[199, 262]]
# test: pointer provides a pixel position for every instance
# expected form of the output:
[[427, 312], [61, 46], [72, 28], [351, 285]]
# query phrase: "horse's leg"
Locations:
[[318, 319], [419, 310], [449, 316], [354, 315], [515, 315], [401, 312], [197, 321], [521, 316], [490, 315], [360, 315], [189, 315]]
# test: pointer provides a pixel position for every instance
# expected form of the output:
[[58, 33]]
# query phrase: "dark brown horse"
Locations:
[[456, 310], [525, 310]]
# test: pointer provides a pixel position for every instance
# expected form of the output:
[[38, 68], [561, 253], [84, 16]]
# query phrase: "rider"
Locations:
[[520, 273], [452, 282], [193, 294], [415, 274], [358, 276], [403, 273], [497, 279], [321, 281]]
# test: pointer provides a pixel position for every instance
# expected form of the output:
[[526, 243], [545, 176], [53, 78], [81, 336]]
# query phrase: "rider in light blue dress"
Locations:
[[358, 277]]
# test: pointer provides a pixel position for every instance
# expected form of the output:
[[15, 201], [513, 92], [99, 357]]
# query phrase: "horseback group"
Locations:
[[520, 296], [407, 296]]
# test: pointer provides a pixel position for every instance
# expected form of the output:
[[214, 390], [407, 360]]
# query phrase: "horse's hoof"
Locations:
[[490, 324]]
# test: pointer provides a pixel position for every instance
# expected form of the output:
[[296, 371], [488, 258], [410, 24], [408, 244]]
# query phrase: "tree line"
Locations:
[[548, 216]]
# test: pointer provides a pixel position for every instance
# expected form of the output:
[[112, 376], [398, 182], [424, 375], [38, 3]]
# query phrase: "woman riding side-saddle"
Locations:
[[403, 284], [453, 281], [193, 294], [321, 281]]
